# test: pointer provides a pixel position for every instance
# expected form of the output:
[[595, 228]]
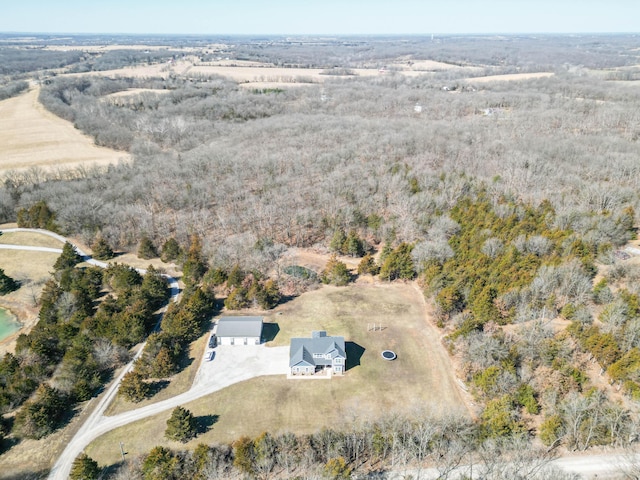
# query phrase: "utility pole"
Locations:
[[122, 450]]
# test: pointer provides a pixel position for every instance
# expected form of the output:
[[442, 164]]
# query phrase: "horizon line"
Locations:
[[388, 34]]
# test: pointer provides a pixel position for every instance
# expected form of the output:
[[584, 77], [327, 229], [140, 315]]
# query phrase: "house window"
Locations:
[[318, 355], [338, 361]]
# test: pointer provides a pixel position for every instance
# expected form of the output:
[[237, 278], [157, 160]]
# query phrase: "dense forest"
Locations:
[[508, 203]]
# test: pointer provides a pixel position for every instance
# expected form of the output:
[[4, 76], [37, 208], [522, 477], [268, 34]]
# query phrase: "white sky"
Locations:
[[319, 16]]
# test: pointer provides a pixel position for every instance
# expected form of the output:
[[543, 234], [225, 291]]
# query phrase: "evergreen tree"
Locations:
[[336, 272], [37, 216], [337, 241], [235, 277], [133, 387], [101, 249], [194, 267], [171, 250], [160, 464], [146, 249], [237, 299], [68, 259], [268, 296], [7, 284], [368, 265], [40, 416], [84, 468], [181, 426], [353, 245], [398, 264]]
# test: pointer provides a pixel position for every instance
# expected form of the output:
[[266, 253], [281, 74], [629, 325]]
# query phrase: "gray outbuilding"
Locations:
[[239, 331]]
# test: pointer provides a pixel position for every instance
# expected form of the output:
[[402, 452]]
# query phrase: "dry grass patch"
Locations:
[[31, 239], [420, 378], [31, 136]]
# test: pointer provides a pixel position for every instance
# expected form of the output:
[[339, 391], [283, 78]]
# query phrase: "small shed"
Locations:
[[239, 331]]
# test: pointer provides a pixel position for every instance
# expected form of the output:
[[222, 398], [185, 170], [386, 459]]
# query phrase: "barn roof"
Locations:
[[239, 327]]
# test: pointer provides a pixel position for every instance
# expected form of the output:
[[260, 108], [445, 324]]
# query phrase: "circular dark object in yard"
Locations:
[[389, 355]]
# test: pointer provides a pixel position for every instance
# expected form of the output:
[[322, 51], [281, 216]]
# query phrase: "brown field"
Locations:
[[510, 77], [30, 136], [420, 379], [141, 71]]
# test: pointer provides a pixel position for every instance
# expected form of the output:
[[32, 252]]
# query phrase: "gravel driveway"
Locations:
[[235, 363]]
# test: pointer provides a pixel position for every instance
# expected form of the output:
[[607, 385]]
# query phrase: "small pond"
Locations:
[[8, 324]]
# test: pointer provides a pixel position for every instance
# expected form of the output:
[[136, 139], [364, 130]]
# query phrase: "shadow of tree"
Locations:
[[269, 331], [156, 386], [205, 422], [354, 353], [41, 475]]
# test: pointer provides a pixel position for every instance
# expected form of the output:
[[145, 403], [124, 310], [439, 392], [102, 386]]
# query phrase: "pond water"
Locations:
[[8, 324]]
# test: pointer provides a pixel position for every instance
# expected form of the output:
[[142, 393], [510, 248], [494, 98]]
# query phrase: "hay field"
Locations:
[[509, 77], [31, 136], [420, 378]]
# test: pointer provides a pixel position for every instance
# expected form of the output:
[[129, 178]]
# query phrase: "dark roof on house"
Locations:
[[239, 327], [303, 349]]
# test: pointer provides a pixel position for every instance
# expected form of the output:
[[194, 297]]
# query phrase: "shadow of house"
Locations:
[[270, 331], [354, 353]]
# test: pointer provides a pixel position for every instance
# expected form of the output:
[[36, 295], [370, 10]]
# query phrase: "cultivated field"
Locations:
[[420, 379], [30, 136]]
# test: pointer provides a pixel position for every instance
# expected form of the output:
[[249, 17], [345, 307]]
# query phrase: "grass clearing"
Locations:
[[420, 378], [31, 136]]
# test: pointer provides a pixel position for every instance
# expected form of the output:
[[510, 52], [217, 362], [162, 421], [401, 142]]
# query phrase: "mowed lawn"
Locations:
[[419, 379]]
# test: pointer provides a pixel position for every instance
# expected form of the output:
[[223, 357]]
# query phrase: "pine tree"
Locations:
[[336, 272], [68, 259], [7, 284], [170, 250], [337, 241], [133, 387], [101, 249], [194, 267], [181, 426], [368, 265], [84, 468], [147, 249], [398, 264], [353, 245]]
